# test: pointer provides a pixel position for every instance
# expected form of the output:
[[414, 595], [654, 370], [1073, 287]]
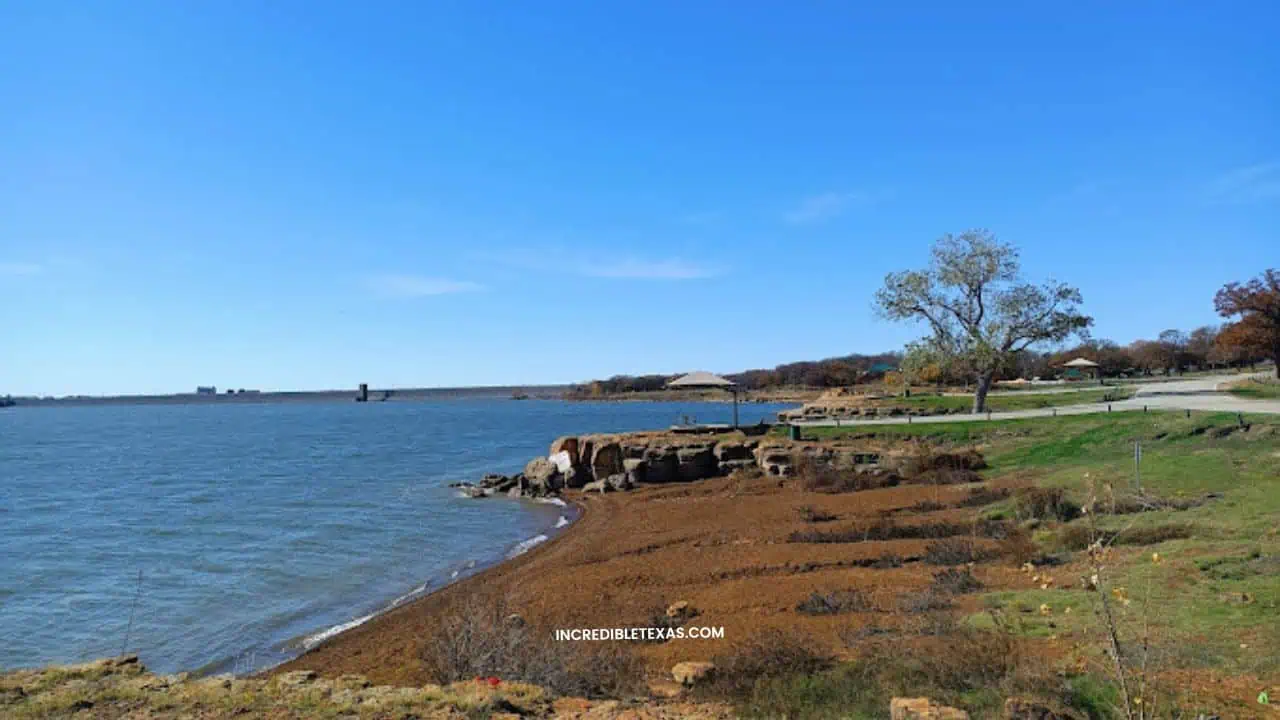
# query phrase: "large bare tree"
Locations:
[[980, 312]]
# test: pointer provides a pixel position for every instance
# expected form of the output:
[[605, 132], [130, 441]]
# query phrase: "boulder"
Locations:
[[693, 673], [637, 470], [731, 450], [576, 477], [923, 709], [606, 460], [728, 467], [696, 463], [681, 610], [618, 482], [563, 461], [567, 445], [663, 465], [775, 460], [542, 474]]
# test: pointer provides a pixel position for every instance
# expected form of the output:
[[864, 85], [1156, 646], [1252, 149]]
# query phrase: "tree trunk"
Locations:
[[980, 392]]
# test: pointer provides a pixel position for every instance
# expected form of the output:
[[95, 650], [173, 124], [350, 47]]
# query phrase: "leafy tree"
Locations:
[[1257, 304], [980, 313]]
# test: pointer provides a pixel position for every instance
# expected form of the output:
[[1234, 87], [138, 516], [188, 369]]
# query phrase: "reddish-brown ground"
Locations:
[[719, 544]]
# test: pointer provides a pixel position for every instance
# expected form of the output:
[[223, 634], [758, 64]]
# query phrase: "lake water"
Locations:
[[258, 528]]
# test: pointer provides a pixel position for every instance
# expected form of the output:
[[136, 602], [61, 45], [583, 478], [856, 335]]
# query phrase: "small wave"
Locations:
[[563, 521], [527, 545], [552, 501], [312, 641], [410, 595]]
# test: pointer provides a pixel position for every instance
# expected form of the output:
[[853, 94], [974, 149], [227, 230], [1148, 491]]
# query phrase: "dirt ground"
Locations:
[[721, 545]]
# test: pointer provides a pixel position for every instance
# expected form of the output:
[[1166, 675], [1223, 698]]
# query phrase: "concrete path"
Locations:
[[1200, 394]]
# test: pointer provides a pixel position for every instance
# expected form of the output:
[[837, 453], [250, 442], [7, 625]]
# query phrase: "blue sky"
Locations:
[[314, 194]]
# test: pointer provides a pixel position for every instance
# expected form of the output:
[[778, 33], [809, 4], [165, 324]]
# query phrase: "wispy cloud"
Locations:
[[619, 267], [11, 269], [828, 206], [412, 286], [1252, 183], [631, 268]]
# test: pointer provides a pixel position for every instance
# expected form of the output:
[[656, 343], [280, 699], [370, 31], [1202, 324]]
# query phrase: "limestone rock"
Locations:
[[731, 450], [606, 460], [696, 463], [681, 610], [563, 461], [543, 475], [576, 477], [663, 465], [618, 482], [728, 467], [923, 709], [637, 470], [567, 445], [692, 673]]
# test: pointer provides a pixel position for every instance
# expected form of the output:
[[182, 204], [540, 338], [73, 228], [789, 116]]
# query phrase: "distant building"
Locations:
[[206, 390]]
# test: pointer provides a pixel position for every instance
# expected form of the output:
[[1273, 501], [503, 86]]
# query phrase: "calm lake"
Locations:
[[258, 528]]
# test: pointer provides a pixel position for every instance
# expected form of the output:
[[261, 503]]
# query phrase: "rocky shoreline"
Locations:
[[624, 461]]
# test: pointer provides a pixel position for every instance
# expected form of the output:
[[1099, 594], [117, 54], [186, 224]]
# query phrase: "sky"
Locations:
[[309, 194]]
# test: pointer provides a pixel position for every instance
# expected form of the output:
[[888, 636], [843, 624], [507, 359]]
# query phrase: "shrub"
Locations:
[[954, 551], [1080, 536], [923, 601], [822, 475], [1045, 503], [835, 603], [979, 497], [956, 582], [888, 530], [764, 655], [887, 561], [479, 640], [847, 691], [810, 514]]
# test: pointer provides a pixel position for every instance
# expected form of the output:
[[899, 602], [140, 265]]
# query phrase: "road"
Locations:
[[1200, 394]]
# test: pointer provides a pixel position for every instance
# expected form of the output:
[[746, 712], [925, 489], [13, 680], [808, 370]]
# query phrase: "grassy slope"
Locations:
[[1268, 389], [1213, 600], [1014, 401]]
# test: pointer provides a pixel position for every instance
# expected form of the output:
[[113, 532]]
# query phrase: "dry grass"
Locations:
[[1080, 536], [122, 688], [835, 602], [483, 639], [765, 655]]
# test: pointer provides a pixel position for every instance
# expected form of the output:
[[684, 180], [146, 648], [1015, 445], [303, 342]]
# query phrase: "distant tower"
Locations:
[[364, 393]]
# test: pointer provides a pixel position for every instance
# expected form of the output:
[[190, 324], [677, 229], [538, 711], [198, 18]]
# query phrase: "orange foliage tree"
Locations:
[[1257, 305]]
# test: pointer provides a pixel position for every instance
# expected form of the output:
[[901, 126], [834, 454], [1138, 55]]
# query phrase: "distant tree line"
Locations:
[[831, 372]]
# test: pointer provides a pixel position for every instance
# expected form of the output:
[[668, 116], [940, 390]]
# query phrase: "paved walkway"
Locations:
[[1200, 394]]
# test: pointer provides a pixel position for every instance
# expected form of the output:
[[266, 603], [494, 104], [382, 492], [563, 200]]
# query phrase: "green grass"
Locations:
[[999, 402], [1268, 389], [1213, 601]]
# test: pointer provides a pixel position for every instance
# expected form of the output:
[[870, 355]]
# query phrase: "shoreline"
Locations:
[[312, 642]]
